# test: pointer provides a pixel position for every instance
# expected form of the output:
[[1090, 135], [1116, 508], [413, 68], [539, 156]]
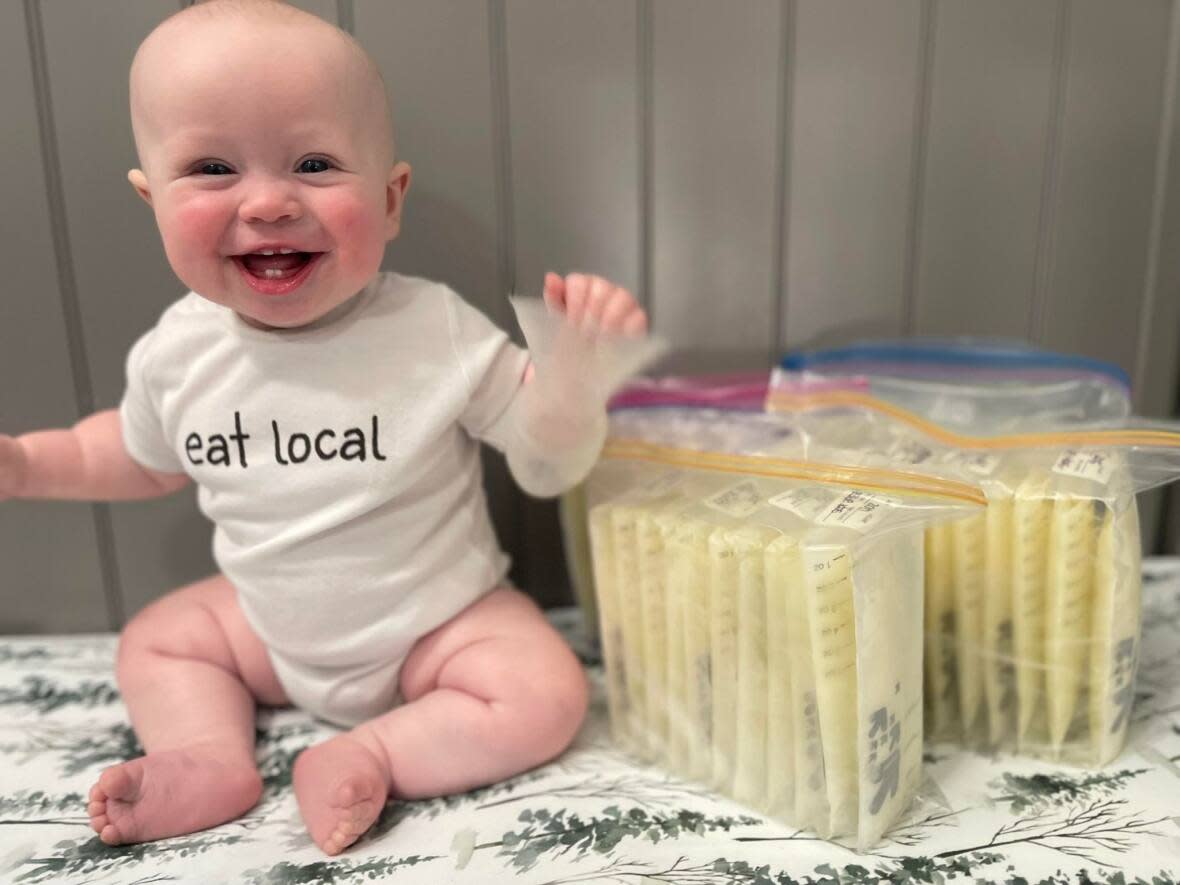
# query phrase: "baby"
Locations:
[[329, 415]]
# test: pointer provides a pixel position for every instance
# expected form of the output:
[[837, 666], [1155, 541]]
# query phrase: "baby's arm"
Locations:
[[559, 416], [88, 462]]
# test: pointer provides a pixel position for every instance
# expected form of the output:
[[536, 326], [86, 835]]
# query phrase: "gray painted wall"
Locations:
[[763, 174]]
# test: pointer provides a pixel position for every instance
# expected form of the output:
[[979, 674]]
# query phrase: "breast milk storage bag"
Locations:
[[761, 615], [973, 386], [1032, 607]]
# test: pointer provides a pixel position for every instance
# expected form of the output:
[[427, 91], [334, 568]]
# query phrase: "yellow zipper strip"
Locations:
[[895, 481], [781, 401]]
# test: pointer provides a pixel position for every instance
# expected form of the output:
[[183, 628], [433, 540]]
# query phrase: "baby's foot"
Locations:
[[340, 787], [170, 793]]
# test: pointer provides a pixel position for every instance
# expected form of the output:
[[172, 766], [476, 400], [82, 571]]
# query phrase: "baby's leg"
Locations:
[[189, 669], [491, 693]]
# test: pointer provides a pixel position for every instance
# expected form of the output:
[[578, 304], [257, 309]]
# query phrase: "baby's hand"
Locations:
[[12, 466], [595, 304]]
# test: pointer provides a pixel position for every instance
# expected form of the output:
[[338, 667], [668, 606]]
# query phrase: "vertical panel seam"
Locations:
[[923, 101], [501, 121], [1168, 531], [1047, 213], [502, 147], [784, 136], [1163, 157], [644, 87], [68, 292], [346, 16], [784, 111]]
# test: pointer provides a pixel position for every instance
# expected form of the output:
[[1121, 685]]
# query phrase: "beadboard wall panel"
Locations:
[[714, 151], [763, 174], [856, 81], [572, 103], [1100, 219], [52, 577], [980, 192]]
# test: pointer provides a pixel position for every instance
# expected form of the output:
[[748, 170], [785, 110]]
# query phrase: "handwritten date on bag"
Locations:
[[351, 444]]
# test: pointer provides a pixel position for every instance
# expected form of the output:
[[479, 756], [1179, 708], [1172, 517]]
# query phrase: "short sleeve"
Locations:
[[143, 434], [492, 365]]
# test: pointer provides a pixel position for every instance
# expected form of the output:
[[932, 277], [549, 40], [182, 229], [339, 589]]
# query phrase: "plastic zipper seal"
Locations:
[[738, 392], [887, 357], [869, 479], [782, 401]]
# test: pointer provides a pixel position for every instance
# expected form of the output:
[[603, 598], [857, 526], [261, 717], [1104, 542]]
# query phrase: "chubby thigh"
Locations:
[[491, 693], [440, 658], [502, 642], [402, 666], [204, 622]]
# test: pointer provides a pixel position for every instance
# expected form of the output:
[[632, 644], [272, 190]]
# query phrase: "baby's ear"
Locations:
[[139, 182], [396, 186]]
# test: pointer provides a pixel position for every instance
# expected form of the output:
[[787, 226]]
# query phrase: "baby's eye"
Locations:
[[314, 164], [214, 169]]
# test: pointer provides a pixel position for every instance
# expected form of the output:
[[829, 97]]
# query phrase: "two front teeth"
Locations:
[[274, 273]]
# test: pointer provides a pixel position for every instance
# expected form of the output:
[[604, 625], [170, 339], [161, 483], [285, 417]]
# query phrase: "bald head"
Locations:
[[246, 38]]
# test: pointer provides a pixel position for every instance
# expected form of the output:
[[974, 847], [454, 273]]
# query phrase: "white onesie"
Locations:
[[339, 465]]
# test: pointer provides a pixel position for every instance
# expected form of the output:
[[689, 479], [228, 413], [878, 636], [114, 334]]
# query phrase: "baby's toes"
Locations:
[[98, 817], [356, 806]]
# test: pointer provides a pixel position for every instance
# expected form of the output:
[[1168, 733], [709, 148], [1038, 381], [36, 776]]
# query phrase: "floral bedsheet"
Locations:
[[593, 816]]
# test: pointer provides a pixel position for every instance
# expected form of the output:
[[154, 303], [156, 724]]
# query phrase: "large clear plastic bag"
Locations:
[[973, 385], [1033, 611], [1031, 608], [761, 616]]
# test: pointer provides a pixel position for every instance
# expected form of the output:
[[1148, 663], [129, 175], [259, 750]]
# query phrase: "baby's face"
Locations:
[[269, 168]]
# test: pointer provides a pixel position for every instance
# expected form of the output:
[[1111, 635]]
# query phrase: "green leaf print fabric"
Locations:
[[594, 815]]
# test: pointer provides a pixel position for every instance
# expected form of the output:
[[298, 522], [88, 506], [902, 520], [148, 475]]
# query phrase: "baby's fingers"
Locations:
[[12, 466], [593, 303], [554, 292], [577, 293], [622, 315], [599, 294]]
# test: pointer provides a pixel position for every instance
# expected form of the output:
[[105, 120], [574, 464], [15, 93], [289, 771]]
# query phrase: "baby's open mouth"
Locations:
[[277, 264]]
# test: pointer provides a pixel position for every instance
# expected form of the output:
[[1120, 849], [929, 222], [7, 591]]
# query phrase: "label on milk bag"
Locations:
[[909, 451], [738, 500], [982, 464], [1097, 466], [807, 502], [856, 510]]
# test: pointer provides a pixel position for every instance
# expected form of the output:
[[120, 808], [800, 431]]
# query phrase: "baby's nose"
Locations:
[[270, 201]]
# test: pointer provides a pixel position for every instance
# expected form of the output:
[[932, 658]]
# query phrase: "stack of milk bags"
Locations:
[[1032, 614], [761, 609]]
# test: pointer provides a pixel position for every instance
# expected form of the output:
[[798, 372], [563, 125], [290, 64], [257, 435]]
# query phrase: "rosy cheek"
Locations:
[[347, 216], [199, 219], [357, 227], [192, 227]]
